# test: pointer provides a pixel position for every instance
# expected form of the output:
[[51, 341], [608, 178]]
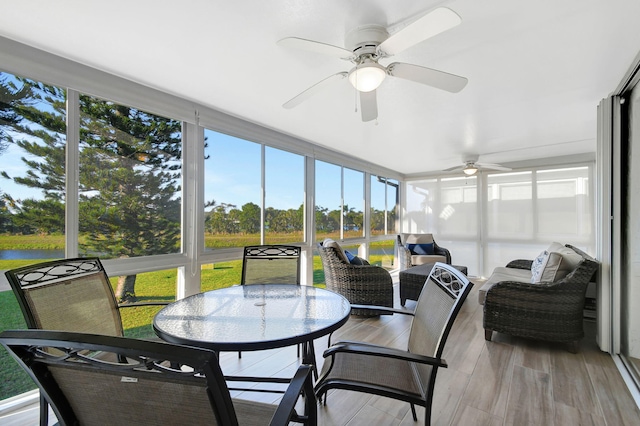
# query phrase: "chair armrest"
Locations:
[[301, 384], [381, 351], [382, 308], [134, 304], [520, 264], [442, 252]]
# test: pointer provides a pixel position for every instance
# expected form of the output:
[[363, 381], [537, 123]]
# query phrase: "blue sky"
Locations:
[[232, 176]]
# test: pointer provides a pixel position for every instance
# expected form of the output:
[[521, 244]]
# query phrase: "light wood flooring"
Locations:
[[508, 381]]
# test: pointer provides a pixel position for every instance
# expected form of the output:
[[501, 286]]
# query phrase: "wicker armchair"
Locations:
[[360, 284], [551, 311], [406, 259]]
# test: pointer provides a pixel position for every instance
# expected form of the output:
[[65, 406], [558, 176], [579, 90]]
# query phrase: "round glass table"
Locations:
[[252, 317]]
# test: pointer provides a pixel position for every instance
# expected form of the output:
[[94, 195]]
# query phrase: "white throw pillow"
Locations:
[[537, 267], [554, 268], [328, 242]]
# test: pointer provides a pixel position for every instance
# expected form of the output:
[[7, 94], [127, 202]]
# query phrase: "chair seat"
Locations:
[[391, 375], [252, 413]]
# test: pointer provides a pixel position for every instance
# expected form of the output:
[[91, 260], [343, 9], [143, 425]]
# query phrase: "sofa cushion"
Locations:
[[503, 273], [329, 243], [423, 248], [421, 259], [569, 256], [418, 238], [554, 264]]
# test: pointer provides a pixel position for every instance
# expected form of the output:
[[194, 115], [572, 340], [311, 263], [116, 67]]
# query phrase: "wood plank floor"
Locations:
[[508, 381]]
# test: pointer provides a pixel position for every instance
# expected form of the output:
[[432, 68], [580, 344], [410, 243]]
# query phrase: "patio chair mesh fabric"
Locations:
[[88, 306], [271, 264], [145, 390], [378, 373], [102, 399]]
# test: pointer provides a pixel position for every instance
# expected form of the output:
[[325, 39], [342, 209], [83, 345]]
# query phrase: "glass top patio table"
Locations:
[[252, 317]]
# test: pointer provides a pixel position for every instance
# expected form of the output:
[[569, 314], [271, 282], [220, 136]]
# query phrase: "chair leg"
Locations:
[[573, 346], [488, 334], [239, 354], [413, 412], [44, 411]]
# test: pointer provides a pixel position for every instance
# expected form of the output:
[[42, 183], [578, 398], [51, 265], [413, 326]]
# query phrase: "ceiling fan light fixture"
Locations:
[[367, 76], [470, 170]]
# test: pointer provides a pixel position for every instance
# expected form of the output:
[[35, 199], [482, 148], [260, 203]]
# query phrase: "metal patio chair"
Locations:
[[407, 375], [86, 390], [271, 264], [69, 295]]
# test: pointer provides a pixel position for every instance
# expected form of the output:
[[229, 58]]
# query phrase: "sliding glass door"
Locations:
[[630, 274]]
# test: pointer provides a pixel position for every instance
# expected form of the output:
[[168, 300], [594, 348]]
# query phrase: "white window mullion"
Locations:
[[192, 228], [263, 192], [72, 181]]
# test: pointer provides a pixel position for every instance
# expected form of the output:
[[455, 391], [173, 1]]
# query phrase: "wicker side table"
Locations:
[[412, 280]]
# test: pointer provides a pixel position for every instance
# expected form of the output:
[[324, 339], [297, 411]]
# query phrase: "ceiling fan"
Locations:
[[367, 45], [470, 166]]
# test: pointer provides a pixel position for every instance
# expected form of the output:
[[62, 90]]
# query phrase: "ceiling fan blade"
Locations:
[[429, 25], [297, 100], [438, 79], [450, 169], [316, 47], [490, 166], [368, 105]]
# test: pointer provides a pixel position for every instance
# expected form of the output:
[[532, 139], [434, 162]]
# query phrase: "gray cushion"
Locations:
[[421, 259], [502, 273]]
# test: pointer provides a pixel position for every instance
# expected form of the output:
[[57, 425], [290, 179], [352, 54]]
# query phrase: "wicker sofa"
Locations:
[[409, 256], [359, 282], [551, 308]]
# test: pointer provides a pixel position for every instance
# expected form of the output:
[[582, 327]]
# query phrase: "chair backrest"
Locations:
[[68, 294], [144, 391], [442, 296], [271, 264]]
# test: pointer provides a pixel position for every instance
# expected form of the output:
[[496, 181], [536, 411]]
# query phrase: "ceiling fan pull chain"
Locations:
[[355, 95]]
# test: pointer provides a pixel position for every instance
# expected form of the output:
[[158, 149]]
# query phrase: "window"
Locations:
[[284, 197], [130, 180], [521, 214], [328, 201], [510, 206], [353, 216], [448, 208], [564, 206], [32, 151], [232, 191]]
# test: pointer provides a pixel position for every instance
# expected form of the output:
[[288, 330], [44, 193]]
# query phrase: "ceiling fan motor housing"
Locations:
[[365, 39]]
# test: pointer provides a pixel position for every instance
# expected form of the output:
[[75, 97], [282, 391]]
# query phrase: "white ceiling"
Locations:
[[536, 69]]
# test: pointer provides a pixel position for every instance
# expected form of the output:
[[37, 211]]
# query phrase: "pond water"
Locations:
[[31, 254]]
